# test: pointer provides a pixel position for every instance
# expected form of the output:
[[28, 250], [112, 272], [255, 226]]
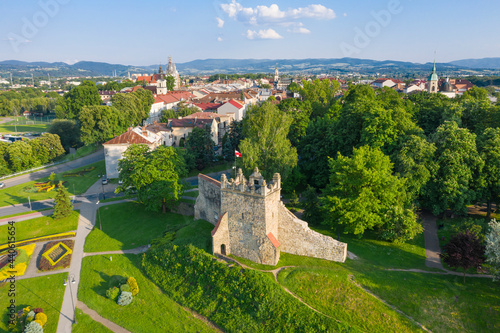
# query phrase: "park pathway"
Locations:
[[432, 249], [96, 317]]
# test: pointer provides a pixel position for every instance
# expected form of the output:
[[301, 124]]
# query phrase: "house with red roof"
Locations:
[[183, 126], [114, 148], [233, 107]]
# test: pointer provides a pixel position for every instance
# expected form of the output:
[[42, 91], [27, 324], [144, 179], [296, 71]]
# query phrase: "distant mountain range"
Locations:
[[212, 66]]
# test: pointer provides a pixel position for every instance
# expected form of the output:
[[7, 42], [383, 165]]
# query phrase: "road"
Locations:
[[86, 160]]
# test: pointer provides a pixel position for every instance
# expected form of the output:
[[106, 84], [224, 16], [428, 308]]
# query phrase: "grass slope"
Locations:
[[129, 225], [42, 226], [44, 292], [150, 311], [86, 324]]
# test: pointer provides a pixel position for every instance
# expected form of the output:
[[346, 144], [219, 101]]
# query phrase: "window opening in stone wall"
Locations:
[[223, 249]]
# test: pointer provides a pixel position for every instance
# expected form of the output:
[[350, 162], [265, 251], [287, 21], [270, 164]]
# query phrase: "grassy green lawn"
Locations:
[[85, 324], [42, 226], [75, 184], [214, 168], [129, 225], [150, 311], [10, 128], [193, 194], [80, 152], [44, 292], [26, 213]]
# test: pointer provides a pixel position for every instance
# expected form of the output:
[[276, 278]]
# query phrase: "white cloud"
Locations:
[[220, 22], [219, 39], [319, 12], [273, 14], [345, 14], [300, 30], [263, 34]]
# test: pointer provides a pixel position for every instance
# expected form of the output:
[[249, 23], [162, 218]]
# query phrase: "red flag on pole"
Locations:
[[237, 153]]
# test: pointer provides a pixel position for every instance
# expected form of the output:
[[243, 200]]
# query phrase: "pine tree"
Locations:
[[63, 207]]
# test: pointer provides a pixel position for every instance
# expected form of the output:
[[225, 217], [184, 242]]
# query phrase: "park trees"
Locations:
[[201, 146], [493, 247], [464, 250], [266, 145], [231, 140], [100, 123], [63, 205], [86, 94], [488, 146], [321, 95], [364, 194], [19, 156], [46, 148], [453, 184], [68, 132], [154, 175]]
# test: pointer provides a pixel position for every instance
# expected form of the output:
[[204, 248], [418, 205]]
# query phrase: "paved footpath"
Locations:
[[432, 249], [96, 317]]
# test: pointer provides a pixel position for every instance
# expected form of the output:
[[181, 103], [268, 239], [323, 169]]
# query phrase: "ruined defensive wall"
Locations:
[[297, 238], [251, 221], [207, 205]]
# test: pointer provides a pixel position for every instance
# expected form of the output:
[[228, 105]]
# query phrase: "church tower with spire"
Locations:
[[433, 80], [161, 86], [172, 71]]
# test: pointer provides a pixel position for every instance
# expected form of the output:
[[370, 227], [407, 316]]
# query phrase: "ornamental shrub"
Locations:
[[30, 316], [134, 287], [112, 293], [37, 310], [125, 287], [125, 298], [42, 317], [33, 327]]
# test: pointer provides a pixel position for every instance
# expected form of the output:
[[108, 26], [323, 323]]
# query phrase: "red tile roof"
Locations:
[[273, 240], [203, 115], [208, 106], [189, 122], [236, 104], [129, 137]]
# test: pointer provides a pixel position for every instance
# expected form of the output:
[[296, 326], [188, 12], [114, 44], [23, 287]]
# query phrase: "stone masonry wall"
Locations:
[[247, 226], [296, 238], [208, 203], [220, 236]]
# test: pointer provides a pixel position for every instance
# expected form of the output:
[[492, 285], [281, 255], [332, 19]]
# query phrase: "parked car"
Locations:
[[2, 185], [105, 181]]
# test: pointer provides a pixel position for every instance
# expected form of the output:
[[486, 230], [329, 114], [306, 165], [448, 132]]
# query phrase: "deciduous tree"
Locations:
[[488, 145], [154, 175], [464, 250], [266, 145], [493, 247], [200, 144], [364, 194]]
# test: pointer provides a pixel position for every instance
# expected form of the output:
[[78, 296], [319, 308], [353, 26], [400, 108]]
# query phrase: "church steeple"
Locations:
[[433, 80]]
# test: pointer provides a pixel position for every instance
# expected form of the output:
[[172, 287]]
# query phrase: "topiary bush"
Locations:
[[33, 327], [125, 298], [112, 293], [125, 287], [42, 317], [134, 287]]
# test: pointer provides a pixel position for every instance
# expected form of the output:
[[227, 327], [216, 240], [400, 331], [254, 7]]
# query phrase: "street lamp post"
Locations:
[[99, 212], [71, 280]]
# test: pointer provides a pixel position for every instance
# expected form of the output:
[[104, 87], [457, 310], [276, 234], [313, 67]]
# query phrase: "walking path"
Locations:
[[95, 316], [137, 250], [432, 249]]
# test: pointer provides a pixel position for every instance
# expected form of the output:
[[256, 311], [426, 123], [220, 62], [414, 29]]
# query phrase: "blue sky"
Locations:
[[147, 32]]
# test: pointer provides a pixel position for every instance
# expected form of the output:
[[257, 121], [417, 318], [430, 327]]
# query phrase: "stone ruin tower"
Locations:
[[251, 221]]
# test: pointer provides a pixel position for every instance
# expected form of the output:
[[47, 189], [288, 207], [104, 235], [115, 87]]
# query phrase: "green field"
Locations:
[[76, 184], [85, 324], [129, 225], [150, 311], [44, 292], [10, 128], [42, 226]]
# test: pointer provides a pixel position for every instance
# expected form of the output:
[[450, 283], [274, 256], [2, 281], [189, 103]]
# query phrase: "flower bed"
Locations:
[[39, 239], [21, 261], [56, 255]]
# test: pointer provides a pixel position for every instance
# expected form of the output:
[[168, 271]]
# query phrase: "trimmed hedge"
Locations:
[[236, 300], [113, 293]]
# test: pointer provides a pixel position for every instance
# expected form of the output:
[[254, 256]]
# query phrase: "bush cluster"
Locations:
[[125, 298], [112, 293], [33, 327], [134, 288], [236, 300]]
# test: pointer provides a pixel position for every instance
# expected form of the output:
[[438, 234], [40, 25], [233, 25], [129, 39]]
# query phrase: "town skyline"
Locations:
[[67, 31]]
